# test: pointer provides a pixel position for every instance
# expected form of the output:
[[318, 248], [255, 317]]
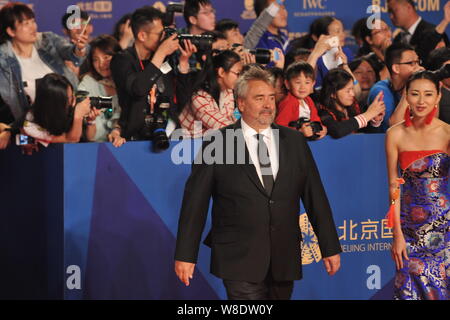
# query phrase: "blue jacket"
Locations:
[[391, 99], [272, 41], [53, 50]]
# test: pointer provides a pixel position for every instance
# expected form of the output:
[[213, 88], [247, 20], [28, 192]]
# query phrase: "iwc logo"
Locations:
[[309, 245], [249, 12]]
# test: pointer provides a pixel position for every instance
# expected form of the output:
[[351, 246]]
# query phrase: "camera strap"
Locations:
[[151, 94]]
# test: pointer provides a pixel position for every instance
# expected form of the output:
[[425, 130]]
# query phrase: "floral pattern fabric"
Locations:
[[425, 215]]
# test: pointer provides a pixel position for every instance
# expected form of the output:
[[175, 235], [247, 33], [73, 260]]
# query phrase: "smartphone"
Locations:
[[276, 55], [22, 140], [333, 42], [85, 26]]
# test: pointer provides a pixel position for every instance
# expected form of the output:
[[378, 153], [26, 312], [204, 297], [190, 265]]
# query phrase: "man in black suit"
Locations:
[[256, 177], [422, 35]]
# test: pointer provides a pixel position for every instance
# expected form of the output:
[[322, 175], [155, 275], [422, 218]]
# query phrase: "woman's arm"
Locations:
[[392, 154]]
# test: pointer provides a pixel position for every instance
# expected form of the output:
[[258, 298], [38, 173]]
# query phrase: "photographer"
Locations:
[[55, 117], [98, 82], [142, 77]]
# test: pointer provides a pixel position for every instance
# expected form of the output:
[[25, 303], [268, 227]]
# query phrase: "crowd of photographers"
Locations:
[[150, 78]]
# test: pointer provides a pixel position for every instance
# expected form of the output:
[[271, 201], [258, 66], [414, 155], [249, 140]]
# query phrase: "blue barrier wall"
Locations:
[[301, 12], [118, 211]]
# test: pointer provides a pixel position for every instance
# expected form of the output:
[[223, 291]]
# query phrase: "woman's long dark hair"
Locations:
[[334, 81], [106, 44], [51, 107], [317, 28], [207, 78]]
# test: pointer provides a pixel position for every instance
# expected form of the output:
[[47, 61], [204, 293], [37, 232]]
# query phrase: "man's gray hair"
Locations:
[[252, 74]]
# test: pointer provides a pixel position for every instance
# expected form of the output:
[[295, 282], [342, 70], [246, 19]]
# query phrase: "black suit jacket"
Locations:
[[252, 230], [133, 86], [425, 39]]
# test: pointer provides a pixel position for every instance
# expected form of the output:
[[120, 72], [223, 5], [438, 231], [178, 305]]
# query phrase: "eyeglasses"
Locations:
[[412, 63], [236, 73]]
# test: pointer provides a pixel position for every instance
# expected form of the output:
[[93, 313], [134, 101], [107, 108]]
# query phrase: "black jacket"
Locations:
[[133, 85], [425, 39], [252, 230]]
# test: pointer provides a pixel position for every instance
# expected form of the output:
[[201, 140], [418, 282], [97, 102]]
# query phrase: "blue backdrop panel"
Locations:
[[301, 12], [125, 240], [31, 231]]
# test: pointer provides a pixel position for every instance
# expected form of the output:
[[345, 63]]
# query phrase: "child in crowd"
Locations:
[[298, 110]]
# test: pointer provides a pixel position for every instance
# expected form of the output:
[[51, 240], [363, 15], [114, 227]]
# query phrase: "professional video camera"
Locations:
[[155, 125], [202, 42], [443, 72], [171, 9], [315, 125]]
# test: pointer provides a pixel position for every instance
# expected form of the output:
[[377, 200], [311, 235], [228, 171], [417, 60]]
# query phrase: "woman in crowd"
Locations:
[[212, 102], [324, 26], [27, 55], [55, 116], [364, 72], [376, 40], [339, 110], [98, 82], [420, 217]]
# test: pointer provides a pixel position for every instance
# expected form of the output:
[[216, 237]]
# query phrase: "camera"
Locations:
[[96, 102], [262, 56], [155, 125], [316, 126], [171, 9], [443, 72], [202, 42]]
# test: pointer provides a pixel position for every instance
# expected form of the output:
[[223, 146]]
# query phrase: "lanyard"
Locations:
[[151, 93]]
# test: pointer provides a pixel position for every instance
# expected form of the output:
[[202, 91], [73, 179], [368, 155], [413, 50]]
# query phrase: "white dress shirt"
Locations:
[[412, 29], [271, 140]]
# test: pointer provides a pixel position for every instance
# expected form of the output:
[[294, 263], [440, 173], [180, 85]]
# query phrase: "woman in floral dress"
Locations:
[[420, 217]]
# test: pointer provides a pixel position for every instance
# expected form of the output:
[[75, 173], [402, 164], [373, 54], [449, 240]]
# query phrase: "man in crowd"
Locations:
[[402, 61], [143, 77], [73, 28], [420, 34], [255, 232]]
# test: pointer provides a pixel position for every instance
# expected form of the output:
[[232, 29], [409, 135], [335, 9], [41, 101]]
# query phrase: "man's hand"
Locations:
[[332, 264], [184, 271], [80, 45], [166, 48], [186, 53], [447, 12]]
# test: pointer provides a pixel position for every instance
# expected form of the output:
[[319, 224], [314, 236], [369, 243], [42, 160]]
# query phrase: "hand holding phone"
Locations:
[[333, 42]]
